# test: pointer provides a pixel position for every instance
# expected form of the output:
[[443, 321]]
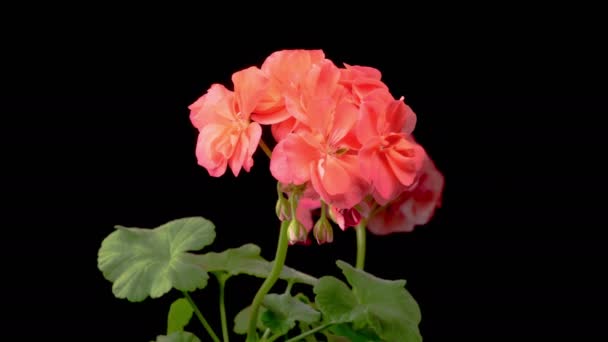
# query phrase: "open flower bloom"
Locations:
[[412, 208], [361, 81], [390, 159], [324, 150], [226, 135], [284, 70], [341, 138]]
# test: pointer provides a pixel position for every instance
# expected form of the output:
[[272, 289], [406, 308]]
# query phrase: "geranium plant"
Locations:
[[343, 155]]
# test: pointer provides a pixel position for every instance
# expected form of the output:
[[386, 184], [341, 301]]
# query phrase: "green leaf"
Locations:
[[247, 260], [178, 336], [388, 308], [284, 310], [352, 335], [180, 314], [149, 262], [241, 320], [335, 299]]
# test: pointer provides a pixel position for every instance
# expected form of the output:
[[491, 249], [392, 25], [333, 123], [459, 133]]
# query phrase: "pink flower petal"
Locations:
[[303, 211], [240, 153], [291, 159], [334, 178], [254, 134], [249, 87], [395, 117], [215, 106], [272, 117], [344, 120], [383, 179], [406, 160], [289, 66], [282, 129], [370, 112], [207, 157]]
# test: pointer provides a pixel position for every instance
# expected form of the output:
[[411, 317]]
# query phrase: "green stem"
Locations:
[[269, 282], [290, 283], [265, 148], [360, 244], [221, 278], [201, 318], [310, 332], [265, 336]]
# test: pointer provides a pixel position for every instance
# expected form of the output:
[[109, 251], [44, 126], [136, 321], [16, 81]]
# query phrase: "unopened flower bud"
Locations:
[[323, 231], [282, 209], [345, 218], [296, 232]]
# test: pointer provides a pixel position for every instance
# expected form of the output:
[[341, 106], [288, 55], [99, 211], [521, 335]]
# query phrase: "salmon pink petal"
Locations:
[[346, 193], [291, 159], [394, 118], [318, 115], [272, 117], [404, 168], [295, 106], [410, 120], [282, 129], [399, 118], [383, 179], [363, 71], [303, 211], [249, 87], [406, 160], [272, 98], [240, 153], [359, 188], [334, 178], [290, 66], [322, 79], [365, 158], [379, 95], [367, 124], [389, 220], [426, 197], [344, 120], [254, 134], [364, 86], [215, 106], [196, 117], [215, 162]]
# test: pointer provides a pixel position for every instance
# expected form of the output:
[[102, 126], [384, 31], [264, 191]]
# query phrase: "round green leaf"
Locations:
[[179, 316], [149, 262], [335, 299], [284, 310], [241, 320], [387, 307]]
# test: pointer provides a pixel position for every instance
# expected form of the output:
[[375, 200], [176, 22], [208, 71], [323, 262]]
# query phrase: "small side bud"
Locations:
[[296, 232], [323, 231], [282, 209], [345, 218]]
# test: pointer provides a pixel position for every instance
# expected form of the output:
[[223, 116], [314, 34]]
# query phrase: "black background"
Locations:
[[504, 110]]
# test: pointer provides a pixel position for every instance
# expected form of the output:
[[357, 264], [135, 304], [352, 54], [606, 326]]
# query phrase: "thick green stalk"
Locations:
[[360, 264], [221, 278], [269, 282]]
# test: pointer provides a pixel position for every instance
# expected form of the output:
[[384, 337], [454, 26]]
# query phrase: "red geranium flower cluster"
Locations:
[[342, 141]]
